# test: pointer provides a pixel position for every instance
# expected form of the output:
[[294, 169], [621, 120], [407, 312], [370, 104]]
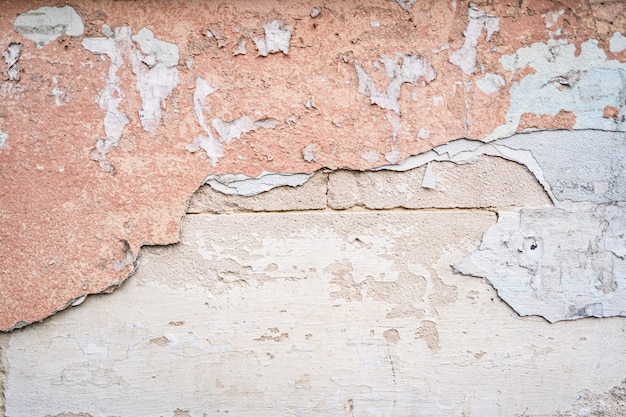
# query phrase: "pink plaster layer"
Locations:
[[66, 226]]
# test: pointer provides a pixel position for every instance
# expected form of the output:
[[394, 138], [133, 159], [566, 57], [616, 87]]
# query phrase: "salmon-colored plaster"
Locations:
[[69, 228]]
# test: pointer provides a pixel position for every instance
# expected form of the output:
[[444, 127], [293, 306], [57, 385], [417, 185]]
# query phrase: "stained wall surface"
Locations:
[[340, 208]]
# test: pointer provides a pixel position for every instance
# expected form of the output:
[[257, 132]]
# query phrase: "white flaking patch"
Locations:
[[208, 143], [11, 57], [307, 153], [569, 167], [241, 47], [277, 37], [550, 262], [490, 83], [165, 52], [402, 69], [247, 186], [429, 177], [617, 43], [3, 138], [465, 56], [109, 100], [56, 92], [48, 23], [583, 84]]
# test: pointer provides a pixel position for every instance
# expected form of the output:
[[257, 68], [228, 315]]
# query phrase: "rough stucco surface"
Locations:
[[310, 313], [359, 208], [113, 113]]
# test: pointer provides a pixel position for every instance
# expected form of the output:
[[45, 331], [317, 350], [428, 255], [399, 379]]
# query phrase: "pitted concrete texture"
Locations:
[[113, 113], [309, 314]]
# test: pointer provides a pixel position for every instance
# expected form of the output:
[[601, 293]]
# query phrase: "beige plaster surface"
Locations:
[[74, 215]]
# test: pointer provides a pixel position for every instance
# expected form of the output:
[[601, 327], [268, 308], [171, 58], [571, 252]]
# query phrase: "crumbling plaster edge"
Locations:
[[442, 153]]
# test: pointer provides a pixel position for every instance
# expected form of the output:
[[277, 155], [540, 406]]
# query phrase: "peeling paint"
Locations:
[[3, 138], [491, 83], [402, 69], [228, 131], [617, 43], [580, 166], [11, 58], [583, 83], [277, 37], [156, 79], [208, 143], [46, 24], [246, 186], [551, 262], [465, 57]]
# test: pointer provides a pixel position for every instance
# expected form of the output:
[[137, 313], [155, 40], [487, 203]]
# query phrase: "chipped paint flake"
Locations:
[[428, 181], [582, 83], [248, 186], [11, 57], [491, 83], [402, 69], [465, 57], [3, 138], [617, 43], [45, 24], [162, 51], [551, 262], [580, 166], [277, 37]]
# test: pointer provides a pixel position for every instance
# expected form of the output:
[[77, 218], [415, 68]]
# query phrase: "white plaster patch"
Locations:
[[583, 84], [48, 23], [406, 4], [56, 92], [402, 69], [208, 143], [617, 43], [156, 79], [277, 37], [228, 131], [429, 177], [246, 186], [3, 138], [569, 166], [614, 236], [212, 147], [241, 47], [491, 83], [551, 262], [307, 153], [11, 57], [109, 100], [165, 52], [465, 57]]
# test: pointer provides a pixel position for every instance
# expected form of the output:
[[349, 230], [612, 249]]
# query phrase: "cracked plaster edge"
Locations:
[[460, 151]]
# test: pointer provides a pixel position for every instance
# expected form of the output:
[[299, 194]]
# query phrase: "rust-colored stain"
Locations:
[[68, 227]]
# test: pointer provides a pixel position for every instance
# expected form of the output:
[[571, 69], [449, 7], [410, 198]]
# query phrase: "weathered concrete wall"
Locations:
[[379, 208]]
